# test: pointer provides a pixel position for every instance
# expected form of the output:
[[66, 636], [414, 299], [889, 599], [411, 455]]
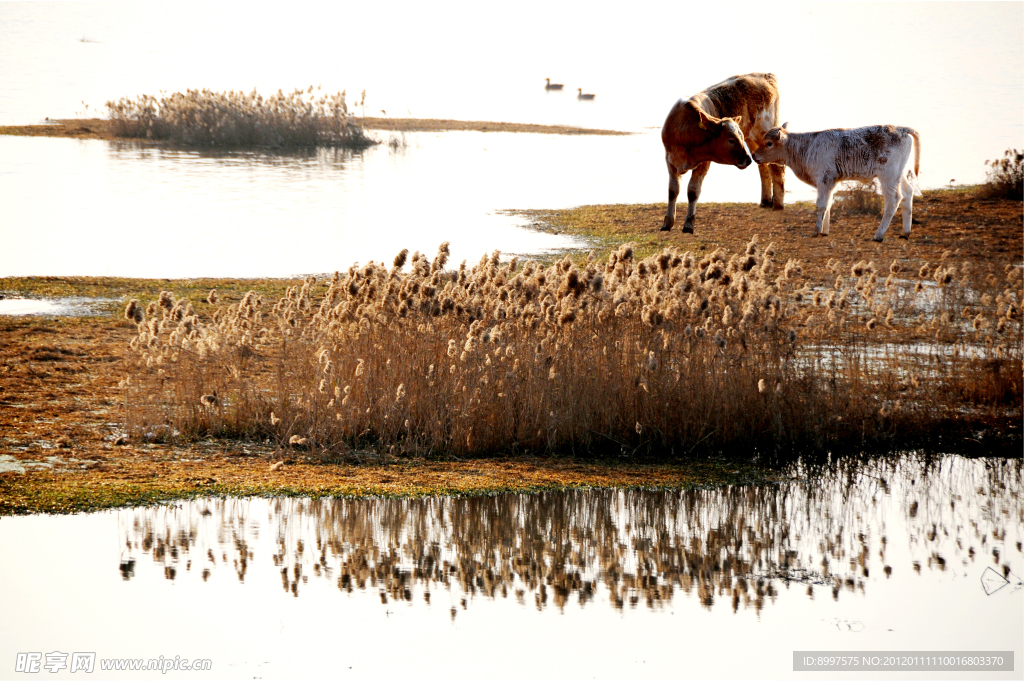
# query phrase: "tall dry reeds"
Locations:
[[204, 118], [671, 355]]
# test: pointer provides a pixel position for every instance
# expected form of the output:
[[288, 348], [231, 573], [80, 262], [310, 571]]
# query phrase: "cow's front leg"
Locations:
[[766, 185], [693, 193], [673, 194], [778, 173], [823, 206]]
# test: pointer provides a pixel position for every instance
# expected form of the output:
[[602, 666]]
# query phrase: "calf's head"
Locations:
[[773, 146]]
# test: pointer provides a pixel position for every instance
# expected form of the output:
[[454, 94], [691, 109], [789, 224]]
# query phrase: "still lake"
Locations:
[[909, 554], [954, 71]]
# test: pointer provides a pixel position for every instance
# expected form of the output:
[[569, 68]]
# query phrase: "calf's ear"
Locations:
[[738, 120], [785, 126]]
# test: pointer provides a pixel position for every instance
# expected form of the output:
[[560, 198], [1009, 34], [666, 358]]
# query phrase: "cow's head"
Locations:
[[773, 146], [725, 145]]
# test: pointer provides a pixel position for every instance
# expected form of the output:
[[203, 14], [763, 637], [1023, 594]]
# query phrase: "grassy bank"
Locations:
[[62, 451], [909, 343]]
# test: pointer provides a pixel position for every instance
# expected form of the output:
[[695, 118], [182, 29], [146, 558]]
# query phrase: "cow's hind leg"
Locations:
[[778, 173], [693, 193], [892, 196], [673, 194], [766, 185]]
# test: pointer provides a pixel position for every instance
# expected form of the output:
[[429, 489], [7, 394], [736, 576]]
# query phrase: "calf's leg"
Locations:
[[891, 194], [693, 193], [908, 207], [823, 206]]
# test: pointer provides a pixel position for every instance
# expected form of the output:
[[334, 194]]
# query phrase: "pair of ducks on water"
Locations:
[[558, 86]]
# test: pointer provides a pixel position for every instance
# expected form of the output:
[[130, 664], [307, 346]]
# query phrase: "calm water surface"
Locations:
[[954, 71], [907, 555]]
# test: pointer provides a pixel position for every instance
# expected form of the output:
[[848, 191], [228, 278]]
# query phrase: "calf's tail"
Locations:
[[917, 151]]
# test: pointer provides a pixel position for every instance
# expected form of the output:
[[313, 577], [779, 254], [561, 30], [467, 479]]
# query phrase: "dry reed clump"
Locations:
[[205, 118], [671, 355], [859, 197], [1006, 176]]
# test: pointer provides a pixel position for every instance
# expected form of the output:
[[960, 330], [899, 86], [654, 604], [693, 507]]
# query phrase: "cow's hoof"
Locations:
[[902, 236], [766, 203], [665, 228], [687, 229], [878, 239], [778, 206]]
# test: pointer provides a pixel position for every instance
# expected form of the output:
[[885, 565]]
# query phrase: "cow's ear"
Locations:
[[739, 121], [785, 126]]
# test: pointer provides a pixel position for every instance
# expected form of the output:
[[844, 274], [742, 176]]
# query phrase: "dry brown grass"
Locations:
[[671, 355], [205, 118]]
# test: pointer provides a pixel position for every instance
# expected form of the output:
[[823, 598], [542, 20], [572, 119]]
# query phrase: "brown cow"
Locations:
[[710, 127]]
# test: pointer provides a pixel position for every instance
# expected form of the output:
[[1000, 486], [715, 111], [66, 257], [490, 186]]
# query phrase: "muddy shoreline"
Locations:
[[99, 129], [61, 410]]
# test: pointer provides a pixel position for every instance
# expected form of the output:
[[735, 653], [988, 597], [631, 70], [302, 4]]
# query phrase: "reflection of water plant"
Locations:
[[205, 118], [671, 354], [833, 532]]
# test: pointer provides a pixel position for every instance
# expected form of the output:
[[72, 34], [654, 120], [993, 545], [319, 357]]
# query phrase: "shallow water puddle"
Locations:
[[723, 583], [51, 307], [10, 463]]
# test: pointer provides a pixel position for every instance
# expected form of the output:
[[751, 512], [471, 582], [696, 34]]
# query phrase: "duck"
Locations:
[[580, 94], [552, 86]]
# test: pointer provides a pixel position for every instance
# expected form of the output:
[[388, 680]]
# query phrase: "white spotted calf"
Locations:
[[825, 158]]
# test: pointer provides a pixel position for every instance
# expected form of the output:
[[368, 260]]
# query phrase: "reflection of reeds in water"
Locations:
[[740, 546], [673, 353], [204, 118]]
